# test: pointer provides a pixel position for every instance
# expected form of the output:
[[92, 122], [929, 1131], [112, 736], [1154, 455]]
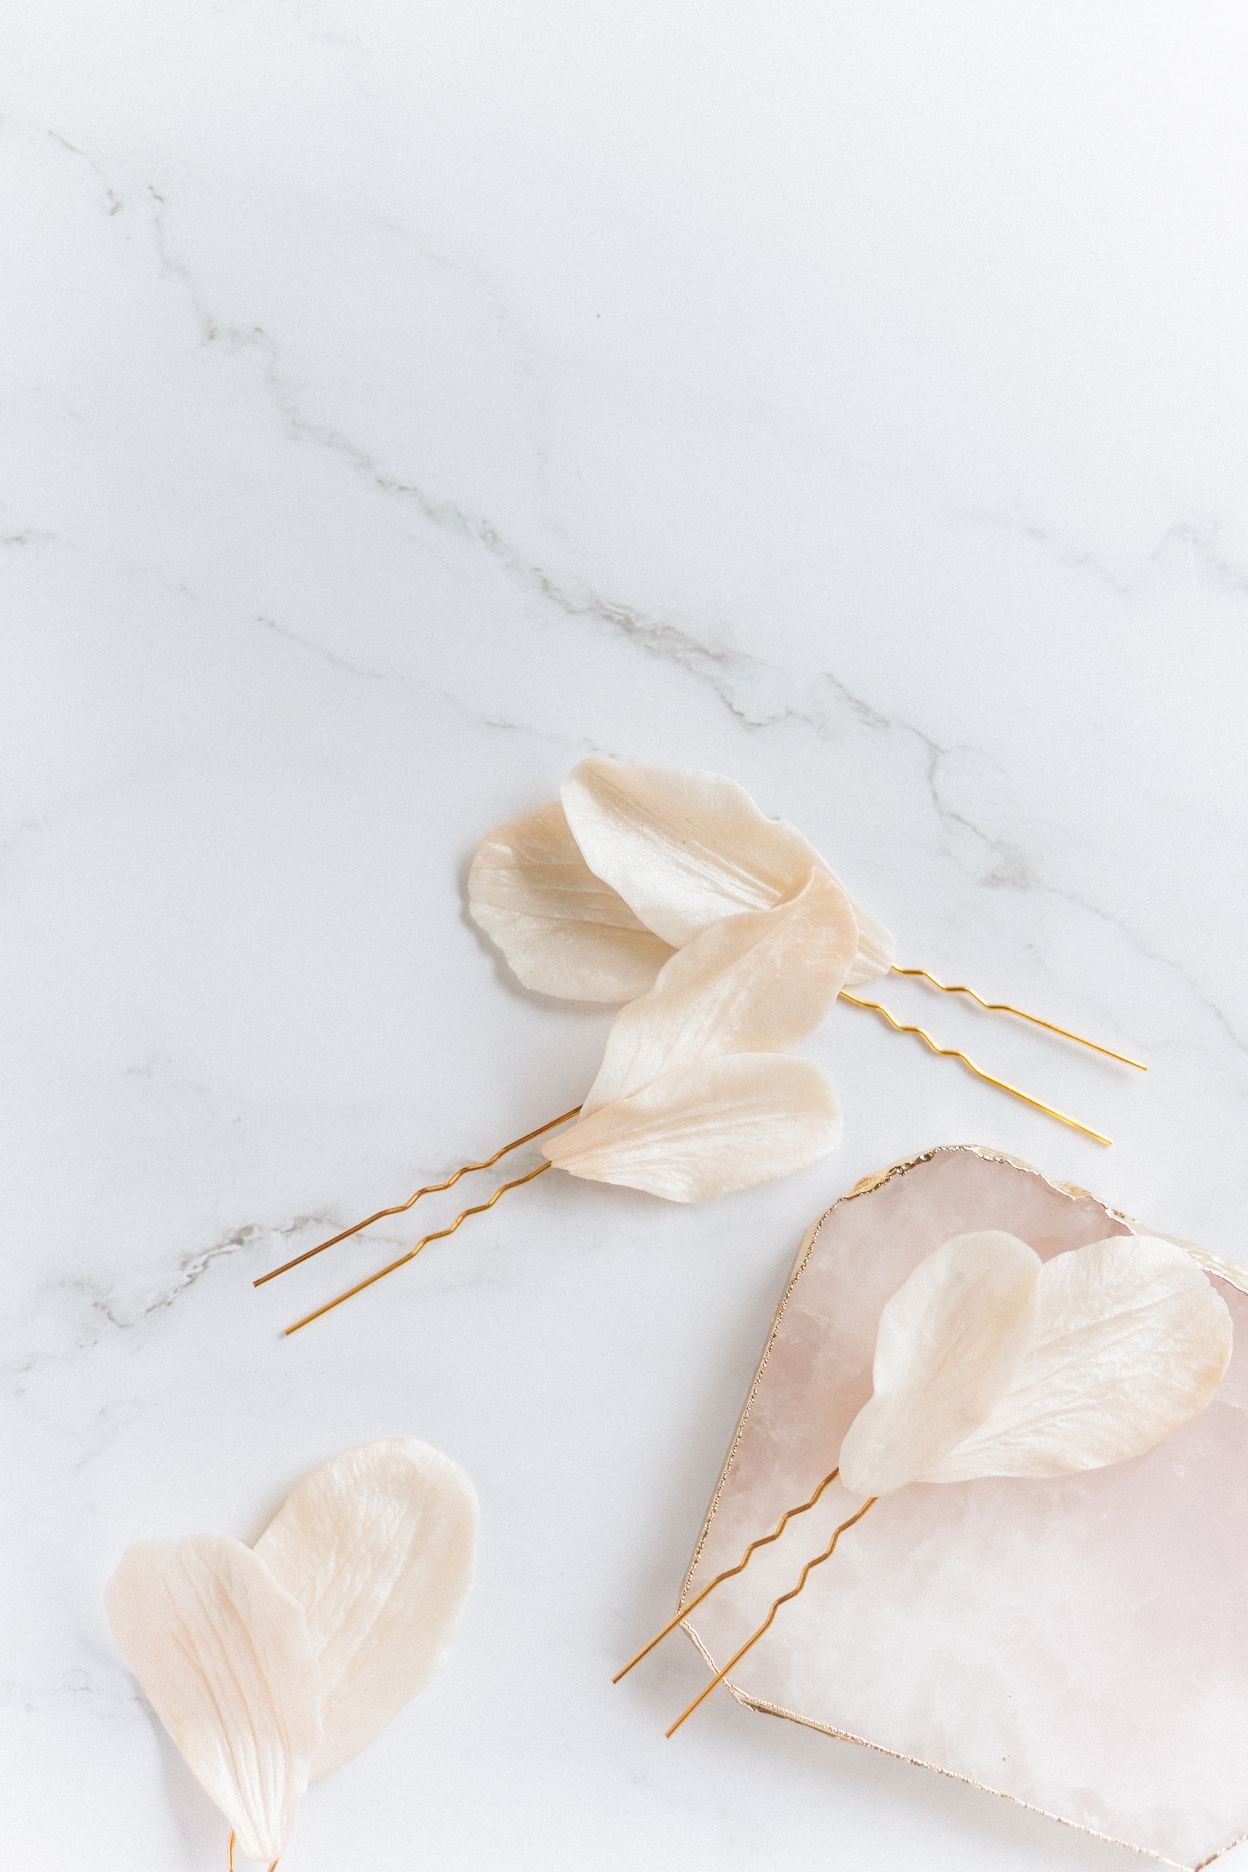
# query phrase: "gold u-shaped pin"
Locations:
[[776, 1604], [877, 1007], [731, 1573], [486, 1163], [1005, 1007]]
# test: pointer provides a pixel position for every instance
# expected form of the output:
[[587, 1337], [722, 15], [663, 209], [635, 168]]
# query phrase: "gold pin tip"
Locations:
[[1003, 1085], [1005, 1007]]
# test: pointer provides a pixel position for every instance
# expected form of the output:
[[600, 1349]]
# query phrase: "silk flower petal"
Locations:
[[685, 848], [699, 1131], [755, 983], [950, 1340], [1129, 1342], [223, 1655], [563, 931], [378, 1546]]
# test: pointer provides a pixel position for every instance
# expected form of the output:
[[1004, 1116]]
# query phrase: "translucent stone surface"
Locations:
[[1079, 1644]]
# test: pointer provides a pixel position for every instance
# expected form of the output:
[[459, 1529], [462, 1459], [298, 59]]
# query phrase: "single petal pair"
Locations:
[[588, 896], [990, 1362], [270, 1666]]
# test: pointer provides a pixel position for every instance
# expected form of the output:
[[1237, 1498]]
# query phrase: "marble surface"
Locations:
[[397, 404]]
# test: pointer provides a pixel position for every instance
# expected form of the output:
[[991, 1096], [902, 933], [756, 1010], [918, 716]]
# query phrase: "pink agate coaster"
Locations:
[[1079, 1645]]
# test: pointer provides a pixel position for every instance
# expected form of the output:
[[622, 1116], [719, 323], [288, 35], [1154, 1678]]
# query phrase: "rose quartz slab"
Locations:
[[1077, 1644]]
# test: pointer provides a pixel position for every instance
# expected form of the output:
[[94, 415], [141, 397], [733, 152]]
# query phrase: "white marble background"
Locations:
[[396, 404]]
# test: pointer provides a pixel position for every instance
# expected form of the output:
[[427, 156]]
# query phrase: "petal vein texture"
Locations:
[[563, 931], [950, 1341], [378, 1547], [754, 983], [1129, 1342], [699, 1131], [685, 849], [223, 1654]]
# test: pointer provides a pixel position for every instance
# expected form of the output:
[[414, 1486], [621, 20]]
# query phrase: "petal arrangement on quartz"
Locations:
[[270, 1666], [991, 1363]]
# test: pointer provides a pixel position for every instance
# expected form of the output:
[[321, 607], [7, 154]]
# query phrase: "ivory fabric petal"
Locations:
[[682, 848], [378, 1547], [699, 1131], [950, 1341], [1129, 1342], [754, 983], [563, 931], [223, 1655]]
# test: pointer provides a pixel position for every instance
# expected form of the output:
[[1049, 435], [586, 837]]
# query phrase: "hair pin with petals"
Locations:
[[990, 1362], [728, 939], [271, 1665]]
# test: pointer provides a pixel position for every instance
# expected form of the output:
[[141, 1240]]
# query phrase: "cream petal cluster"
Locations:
[[271, 1665], [728, 938], [695, 1096], [990, 1362], [588, 896]]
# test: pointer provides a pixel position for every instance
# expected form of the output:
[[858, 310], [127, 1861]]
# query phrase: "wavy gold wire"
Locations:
[[878, 1007], [1004, 1007], [437, 1235], [764, 1541], [272, 1868], [486, 1163], [430, 1189], [776, 1604]]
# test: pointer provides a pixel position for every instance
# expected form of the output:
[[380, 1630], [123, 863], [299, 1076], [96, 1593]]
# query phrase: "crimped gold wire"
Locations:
[[430, 1189], [747, 1556], [877, 1007], [437, 1235], [776, 1604], [1004, 1007]]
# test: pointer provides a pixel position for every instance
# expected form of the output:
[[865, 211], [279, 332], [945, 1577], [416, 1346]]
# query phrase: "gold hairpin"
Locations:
[[731, 1573], [877, 1007], [1005, 1007], [551, 1124], [776, 1604], [667, 893], [429, 1189]]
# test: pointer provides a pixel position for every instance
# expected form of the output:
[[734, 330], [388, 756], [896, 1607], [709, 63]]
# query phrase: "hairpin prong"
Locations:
[[764, 1541], [429, 1189], [776, 1604], [877, 1007], [1004, 1007], [230, 1868], [437, 1235]]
